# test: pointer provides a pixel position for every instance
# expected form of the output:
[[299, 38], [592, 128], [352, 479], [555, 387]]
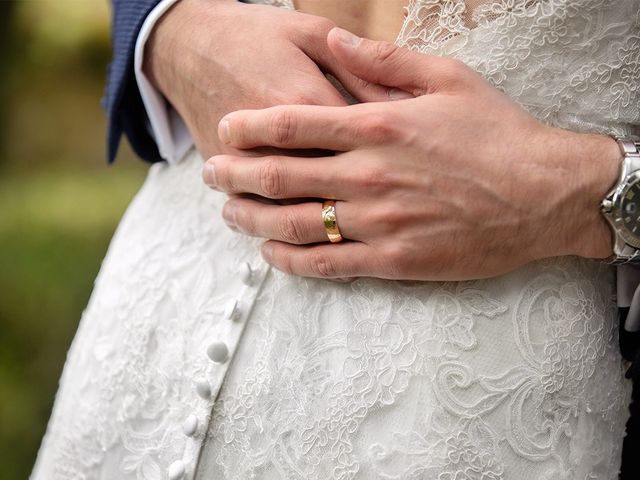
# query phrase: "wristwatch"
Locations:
[[621, 207]]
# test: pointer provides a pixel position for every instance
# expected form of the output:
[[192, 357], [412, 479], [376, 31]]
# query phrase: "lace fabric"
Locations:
[[496, 379], [516, 377], [571, 63]]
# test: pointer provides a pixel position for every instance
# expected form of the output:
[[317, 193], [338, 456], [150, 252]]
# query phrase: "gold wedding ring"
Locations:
[[331, 221]]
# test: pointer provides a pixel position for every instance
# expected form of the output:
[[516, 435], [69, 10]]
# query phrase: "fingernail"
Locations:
[[209, 174], [267, 252], [223, 131], [229, 214], [397, 94], [347, 38]]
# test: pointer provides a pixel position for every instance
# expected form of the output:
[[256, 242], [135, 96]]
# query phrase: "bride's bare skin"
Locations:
[[375, 19]]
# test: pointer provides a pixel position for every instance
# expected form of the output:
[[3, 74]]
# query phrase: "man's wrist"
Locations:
[[598, 160], [165, 124], [157, 50]]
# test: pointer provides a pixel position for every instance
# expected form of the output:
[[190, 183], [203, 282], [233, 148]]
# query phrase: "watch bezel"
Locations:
[[616, 215]]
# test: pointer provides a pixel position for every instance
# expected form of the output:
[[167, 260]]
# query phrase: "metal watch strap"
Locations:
[[628, 255], [625, 253], [631, 151]]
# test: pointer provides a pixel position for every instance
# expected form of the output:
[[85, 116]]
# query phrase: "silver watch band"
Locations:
[[631, 152], [623, 252], [626, 255]]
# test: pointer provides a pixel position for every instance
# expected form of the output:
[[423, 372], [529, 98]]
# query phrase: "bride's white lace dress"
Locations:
[[517, 377]]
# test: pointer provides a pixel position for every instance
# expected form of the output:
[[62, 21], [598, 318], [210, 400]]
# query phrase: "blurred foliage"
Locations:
[[7, 54], [59, 202]]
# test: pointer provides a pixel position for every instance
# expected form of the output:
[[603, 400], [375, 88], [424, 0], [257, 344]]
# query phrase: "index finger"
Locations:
[[292, 126]]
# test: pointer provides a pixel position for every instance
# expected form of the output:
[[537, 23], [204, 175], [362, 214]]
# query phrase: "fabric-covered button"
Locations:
[[190, 425], [245, 273], [218, 352], [176, 470], [203, 389], [231, 311]]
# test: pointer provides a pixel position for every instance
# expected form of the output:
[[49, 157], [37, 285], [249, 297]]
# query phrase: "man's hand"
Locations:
[[457, 183], [211, 57]]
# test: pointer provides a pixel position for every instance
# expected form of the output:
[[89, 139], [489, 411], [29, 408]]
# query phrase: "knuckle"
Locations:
[[387, 220], [245, 221], [322, 266], [379, 127], [237, 129], [313, 35], [224, 177], [384, 51], [300, 98], [454, 68], [397, 261], [284, 264], [323, 25], [453, 64], [290, 228], [272, 178], [452, 72], [374, 180], [282, 128], [362, 85], [316, 27], [315, 32]]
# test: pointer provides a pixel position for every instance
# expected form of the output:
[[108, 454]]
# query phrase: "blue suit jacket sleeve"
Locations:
[[122, 100]]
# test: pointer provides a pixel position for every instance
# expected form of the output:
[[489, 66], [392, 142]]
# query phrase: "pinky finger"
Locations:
[[326, 260]]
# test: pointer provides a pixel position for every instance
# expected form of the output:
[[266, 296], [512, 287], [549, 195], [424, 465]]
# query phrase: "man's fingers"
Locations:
[[327, 260], [312, 41], [314, 127], [325, 94], [359, 89], [386, 64], [297, 224], [291, 126], [315, 91], [366, 91], [275, 176]]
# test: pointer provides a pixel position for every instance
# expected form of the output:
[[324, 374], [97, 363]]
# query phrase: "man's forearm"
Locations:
[[168, 128]]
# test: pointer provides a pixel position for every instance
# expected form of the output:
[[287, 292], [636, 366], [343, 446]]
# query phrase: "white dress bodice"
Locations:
[[516, 377]]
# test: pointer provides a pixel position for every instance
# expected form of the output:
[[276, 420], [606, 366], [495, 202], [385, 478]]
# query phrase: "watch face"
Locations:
[[630, 209]]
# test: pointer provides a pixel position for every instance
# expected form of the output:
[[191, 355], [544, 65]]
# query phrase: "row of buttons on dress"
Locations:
[[218, 352]]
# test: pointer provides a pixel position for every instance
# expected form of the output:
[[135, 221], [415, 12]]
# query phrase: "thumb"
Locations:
[[386, 64]]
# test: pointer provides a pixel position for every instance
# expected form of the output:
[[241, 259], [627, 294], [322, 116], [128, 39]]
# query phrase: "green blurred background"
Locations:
[[59, 202]]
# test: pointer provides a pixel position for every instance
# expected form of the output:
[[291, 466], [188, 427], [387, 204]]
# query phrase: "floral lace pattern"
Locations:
[[513, 377], [416, 381], [571, 63]]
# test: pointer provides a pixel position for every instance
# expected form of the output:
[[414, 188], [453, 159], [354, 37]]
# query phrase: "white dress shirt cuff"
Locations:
[[165, 124]]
